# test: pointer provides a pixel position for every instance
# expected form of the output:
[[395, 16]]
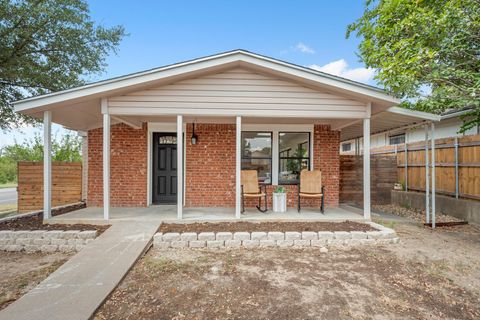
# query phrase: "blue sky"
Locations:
[[308, 33]]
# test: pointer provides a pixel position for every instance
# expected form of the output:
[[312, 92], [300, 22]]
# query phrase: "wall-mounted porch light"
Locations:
[[194, 138]]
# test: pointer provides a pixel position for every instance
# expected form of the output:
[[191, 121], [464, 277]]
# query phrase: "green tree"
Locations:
[[426, 52], [45, 46]]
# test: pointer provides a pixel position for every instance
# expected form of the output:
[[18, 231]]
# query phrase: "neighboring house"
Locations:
[[242, 109], [448, 126]]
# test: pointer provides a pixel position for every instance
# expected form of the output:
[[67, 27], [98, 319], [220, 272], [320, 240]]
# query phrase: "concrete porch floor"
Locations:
[[94, 215]]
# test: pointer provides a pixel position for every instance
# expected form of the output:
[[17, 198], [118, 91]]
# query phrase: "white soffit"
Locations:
[[391, 119]]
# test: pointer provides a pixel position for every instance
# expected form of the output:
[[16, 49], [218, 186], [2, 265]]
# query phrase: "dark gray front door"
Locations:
[[164, 168]]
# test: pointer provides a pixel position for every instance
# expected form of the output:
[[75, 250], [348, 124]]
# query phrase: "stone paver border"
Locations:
[[45, 241], [292, 239]]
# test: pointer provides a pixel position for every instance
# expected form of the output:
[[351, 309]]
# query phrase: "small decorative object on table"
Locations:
[[279, 199]]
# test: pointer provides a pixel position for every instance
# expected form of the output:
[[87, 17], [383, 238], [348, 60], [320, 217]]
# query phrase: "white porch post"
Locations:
[[238, 166], [366, 164], [179, 166], [433, 175], [427, 179], [106, 160], [47, 164]]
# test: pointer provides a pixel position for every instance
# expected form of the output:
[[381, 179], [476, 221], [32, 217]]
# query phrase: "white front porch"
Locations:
[[168, 213]]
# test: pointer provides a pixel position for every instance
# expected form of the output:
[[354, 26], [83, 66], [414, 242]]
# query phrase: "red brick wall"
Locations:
[[128, 167], [210, 166], [326, 157]]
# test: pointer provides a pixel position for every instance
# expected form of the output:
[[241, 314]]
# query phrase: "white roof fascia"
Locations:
[[197, 65], [415, 113]]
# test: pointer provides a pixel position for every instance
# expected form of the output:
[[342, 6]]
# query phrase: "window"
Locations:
[[346, 147], [257, 154], [293, 154], [397, 139]]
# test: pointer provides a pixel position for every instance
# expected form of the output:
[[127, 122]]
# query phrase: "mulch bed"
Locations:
[[264, 226], [36, 223]]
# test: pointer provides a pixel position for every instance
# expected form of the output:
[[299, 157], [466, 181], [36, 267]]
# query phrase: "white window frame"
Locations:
[[276, 129]]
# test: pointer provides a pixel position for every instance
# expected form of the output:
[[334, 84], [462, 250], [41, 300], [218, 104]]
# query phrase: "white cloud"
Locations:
[[302, 47], [340, 68]]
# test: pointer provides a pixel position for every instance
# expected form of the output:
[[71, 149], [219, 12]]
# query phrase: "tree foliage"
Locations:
[[45, 46], [425, 51], [67, 148]]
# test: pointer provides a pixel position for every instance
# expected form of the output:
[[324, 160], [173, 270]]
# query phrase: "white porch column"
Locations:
[[427, 179], [238, 167], [106, 160], [47, 165], [433, 175], [179, 166], [366, 164]]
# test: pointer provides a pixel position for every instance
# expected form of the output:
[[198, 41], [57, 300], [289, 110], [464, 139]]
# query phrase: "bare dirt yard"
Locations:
[[20, 272], [429, 274]]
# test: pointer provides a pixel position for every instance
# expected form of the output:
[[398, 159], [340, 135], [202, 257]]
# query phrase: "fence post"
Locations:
[[406, 164], [456, 168], [427, 179]]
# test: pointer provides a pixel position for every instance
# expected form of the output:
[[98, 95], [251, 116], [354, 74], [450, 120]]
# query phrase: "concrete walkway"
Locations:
[[80, 286]]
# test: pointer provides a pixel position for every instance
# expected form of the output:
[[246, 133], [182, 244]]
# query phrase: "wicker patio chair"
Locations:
[[251, 189], [310, 186]]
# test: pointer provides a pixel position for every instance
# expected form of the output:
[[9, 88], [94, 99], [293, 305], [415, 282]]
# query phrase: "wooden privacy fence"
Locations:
[[383, 172], [66, 184], [457, 165]]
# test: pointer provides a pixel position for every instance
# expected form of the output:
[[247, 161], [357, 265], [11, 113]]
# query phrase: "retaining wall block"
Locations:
[[88, 234], [13, 247], [241, 236], [215, 243], [49, 248], [171, 236], [276, 235], [188, 236], [342, 235], [179, 244], [318, 243], [374, 234], [197, 244], [325, 235], [267, 243], [66, 248], [309, 235], [58, 242], [250, 243], [207, 236], [163, 244], [301, 243], [358, 235], [224, 236], [291, 235], [157, 237], [37, 234], [233, 243], [259, 235], [284, 243], [57, 234], [41, 242], [23, 241], [70, 234]]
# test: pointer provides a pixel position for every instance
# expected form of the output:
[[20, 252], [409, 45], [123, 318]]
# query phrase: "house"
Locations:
[[181, 134], [448, 126]]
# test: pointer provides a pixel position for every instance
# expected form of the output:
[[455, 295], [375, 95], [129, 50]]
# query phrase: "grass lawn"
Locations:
[[8, 185], [429, 274]]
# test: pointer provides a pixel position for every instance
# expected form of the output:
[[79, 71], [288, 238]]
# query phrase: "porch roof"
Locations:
[[81, 108]]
